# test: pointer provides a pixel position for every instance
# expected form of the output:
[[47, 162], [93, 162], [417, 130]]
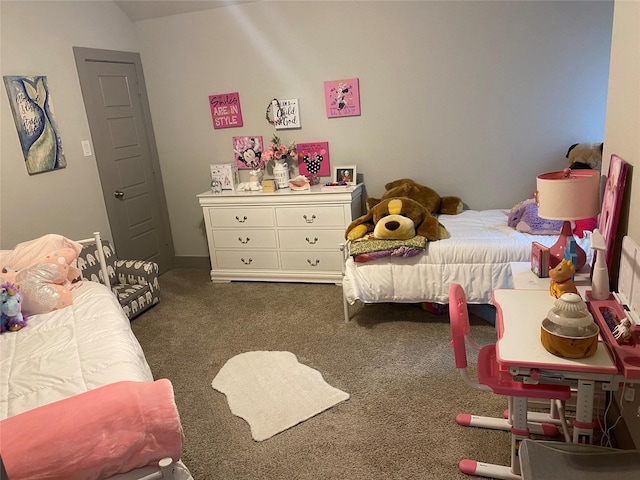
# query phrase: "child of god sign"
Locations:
[[225, 110]]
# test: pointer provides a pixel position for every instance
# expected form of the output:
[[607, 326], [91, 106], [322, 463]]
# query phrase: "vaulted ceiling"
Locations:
[[144, 9]]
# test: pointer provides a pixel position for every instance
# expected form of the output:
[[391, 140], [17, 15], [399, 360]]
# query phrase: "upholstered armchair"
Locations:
[[134, 282]]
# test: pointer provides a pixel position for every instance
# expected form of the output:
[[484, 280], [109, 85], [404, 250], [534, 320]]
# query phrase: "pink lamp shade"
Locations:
[[568, 195]]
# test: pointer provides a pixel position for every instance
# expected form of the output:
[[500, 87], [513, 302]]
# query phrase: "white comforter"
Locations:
[[70, 351], [477, 256]]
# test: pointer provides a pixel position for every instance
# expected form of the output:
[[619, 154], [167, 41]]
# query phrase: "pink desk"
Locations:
[[519, 315]]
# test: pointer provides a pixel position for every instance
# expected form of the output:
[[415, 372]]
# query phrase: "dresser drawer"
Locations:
[[316, 216], [244, 238], [249, 259], [311, 239], [284, 236], [312, 261], [241, 217]]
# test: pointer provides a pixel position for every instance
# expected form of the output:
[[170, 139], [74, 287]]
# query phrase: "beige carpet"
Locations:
[[395, 361], [272, 391]]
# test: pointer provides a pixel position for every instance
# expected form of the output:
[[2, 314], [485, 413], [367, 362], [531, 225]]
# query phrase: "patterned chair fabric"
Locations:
[[134, 282]]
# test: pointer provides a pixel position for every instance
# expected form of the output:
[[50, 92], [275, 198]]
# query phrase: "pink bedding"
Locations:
[[44, 269], [112, 429], [26, 254]]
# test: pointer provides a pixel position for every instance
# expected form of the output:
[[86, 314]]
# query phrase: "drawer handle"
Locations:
[[313, 264], [241, 220], [247, 262], [244, 241], [312, 242], [309, 220]]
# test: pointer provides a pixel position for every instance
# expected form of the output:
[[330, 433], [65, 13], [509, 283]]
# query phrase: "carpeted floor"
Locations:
[[394, 360]]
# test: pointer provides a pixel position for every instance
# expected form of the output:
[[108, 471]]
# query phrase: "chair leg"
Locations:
[[490, 470]]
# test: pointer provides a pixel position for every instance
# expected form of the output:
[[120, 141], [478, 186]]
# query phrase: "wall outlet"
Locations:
[[629, 393]]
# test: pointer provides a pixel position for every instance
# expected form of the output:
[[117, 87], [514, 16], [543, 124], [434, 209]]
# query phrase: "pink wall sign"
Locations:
[[313, 158], [225, 110], [342, 98]]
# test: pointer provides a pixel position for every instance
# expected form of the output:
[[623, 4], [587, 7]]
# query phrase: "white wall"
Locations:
[[623, 106], [621, 138], [471, 98], [36, 38]]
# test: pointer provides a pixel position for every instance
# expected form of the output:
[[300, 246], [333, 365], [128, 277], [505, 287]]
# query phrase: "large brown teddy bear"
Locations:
[[416, 202], [427, 197], [398, 218]]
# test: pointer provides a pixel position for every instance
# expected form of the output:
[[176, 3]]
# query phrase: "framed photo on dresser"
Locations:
[[345, 173]]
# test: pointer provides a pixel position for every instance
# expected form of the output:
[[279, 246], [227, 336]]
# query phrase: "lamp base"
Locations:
[[556, 252]]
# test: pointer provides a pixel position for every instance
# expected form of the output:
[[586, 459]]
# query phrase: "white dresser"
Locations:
[[285, 236]]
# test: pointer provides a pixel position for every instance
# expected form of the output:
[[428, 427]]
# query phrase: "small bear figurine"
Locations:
[[562, 279]]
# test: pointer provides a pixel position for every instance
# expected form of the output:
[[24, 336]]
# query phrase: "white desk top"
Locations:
[[519, 317], [525, 279]]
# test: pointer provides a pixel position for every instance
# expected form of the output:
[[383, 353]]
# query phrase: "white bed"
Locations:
[[67, 352], [476, 255]]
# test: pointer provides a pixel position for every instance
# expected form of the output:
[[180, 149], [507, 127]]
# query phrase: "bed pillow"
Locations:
[[44, 285], [524, 218], [26, 254]]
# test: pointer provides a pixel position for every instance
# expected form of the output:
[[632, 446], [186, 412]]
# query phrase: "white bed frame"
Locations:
[[486, 266], [97, 240], [165, 472], [165, 465]]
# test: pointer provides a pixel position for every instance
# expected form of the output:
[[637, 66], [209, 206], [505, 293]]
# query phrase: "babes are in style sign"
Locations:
[[225, 110]]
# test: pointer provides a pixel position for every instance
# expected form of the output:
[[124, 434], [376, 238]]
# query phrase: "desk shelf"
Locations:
[[627, 353]]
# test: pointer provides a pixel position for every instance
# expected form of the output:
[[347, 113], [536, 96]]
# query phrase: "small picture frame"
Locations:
[[345, 173]]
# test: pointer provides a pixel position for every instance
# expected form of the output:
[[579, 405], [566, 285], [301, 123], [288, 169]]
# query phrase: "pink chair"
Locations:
[[492, 378]]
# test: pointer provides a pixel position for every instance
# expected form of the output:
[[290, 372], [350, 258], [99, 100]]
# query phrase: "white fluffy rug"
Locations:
[[272, 391]]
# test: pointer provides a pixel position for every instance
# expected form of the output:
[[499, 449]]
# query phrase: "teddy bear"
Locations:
[[583, 156], [398, 218], [11, 317], [562, 279], [426, 196], [427, 200]]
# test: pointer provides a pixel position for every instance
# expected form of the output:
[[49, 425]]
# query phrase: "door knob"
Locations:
[[118, 194]]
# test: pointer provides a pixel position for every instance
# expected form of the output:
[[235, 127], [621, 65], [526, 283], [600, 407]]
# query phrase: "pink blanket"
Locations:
[[94, 435]]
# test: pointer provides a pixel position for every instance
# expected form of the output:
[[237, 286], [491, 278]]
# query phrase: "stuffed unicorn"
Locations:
[[11, 318]]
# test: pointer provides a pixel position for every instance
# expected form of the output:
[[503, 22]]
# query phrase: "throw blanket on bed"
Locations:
[[369, 248], [112, 429]]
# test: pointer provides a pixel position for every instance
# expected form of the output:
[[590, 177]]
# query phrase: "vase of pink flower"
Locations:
[[280, 154]]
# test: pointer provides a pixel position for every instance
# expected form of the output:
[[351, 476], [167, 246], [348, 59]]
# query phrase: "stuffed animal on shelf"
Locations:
[[562, 278], [398, 218], [585, 156], [11, 318]]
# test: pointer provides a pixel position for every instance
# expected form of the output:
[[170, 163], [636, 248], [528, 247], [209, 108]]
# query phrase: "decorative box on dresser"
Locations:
[[284, 236]]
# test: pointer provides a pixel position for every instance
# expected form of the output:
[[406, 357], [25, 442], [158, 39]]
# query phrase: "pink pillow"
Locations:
[[26, 254], [44, 285]]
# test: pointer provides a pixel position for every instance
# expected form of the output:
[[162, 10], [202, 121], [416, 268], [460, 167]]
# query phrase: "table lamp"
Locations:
[[568, 195]]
